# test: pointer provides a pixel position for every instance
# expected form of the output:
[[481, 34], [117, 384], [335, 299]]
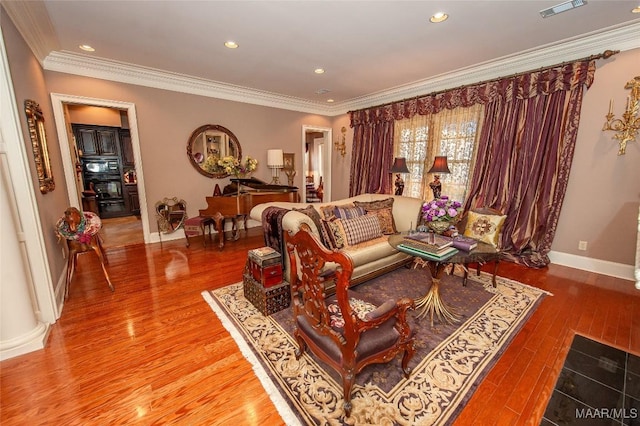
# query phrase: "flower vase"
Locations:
[[439, 226]]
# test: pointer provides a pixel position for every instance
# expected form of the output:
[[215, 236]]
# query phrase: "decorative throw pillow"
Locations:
[[385, 217], [326, 212], [360, 229], [384, 210], [342, 212], [484, 227], [315, 217], [332, 234], [375, 205]]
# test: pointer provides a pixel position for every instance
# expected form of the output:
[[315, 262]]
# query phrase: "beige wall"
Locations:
[[341, 166], [601, 204], [29, 83], [166, 120]]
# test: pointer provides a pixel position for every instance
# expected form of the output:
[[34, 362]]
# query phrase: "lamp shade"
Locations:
[[275, 159], [399, 165], [440, 165]]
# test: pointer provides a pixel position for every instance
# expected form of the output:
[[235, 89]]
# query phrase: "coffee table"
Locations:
[[432, 303]]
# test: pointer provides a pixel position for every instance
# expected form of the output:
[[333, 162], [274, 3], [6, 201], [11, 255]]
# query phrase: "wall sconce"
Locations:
[[275, 161], [399, 166], [626, 128], [341, 147], [440, 165]]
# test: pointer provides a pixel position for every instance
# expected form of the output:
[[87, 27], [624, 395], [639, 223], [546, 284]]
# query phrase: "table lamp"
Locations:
[[399, 166], [439, 166], [275, 162]]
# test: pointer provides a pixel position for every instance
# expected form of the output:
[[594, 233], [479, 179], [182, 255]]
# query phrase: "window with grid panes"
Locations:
[[454, 134]]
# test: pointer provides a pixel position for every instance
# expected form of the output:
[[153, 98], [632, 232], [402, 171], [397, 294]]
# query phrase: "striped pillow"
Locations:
[[348, 212], [360, 229]]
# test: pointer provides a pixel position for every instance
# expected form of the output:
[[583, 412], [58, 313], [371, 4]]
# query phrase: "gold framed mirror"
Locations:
[[170, 214], [207, 144], [35, 122]]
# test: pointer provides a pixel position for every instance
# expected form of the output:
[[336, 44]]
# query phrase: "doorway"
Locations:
[[71, 158], [316, 164]]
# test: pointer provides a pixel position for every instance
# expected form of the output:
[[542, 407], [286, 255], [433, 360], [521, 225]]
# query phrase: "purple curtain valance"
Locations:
[[523, 86]]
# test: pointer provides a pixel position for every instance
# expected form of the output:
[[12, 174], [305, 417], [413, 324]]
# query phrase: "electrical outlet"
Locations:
[[582, 245]]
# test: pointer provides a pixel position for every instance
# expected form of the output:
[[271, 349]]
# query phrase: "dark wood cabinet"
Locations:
[[126, 150], [96, 140], [112, 146], [131, 201]]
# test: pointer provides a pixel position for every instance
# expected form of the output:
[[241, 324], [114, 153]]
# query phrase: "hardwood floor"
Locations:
[[121, 231], [153, 351]]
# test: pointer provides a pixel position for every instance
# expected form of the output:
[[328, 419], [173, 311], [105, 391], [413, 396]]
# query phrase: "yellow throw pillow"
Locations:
[[484, 227]]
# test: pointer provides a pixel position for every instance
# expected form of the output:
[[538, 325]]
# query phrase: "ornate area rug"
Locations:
[[449, 363]]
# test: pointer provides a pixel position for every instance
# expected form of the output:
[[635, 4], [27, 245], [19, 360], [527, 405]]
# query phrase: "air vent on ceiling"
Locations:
[[322, 91], [562, 7]]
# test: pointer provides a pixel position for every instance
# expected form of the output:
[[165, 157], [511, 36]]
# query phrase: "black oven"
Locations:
[[104, 176]]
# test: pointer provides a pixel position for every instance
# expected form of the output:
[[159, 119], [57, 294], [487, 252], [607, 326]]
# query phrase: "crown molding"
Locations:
[[104, 69], [34, 25], [622, 37]]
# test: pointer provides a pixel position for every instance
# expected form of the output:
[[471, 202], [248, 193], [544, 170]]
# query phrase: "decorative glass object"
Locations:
[[439, 226]]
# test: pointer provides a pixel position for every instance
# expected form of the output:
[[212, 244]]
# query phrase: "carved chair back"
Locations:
[[334, 334]]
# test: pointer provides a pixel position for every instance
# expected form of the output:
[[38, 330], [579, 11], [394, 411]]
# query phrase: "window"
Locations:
[[412, 136], [450, 132]]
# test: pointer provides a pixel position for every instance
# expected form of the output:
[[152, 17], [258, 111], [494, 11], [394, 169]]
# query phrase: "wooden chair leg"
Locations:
[[101, 257], [348, 378]]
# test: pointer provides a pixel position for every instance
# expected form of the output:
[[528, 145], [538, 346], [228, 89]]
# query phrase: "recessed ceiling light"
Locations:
[[439, 17], [329, 100], [635, 10], [231, 44], [87, 48], [319, 70]]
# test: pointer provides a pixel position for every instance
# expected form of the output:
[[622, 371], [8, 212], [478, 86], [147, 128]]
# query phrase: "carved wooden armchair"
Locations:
[[344, 330]]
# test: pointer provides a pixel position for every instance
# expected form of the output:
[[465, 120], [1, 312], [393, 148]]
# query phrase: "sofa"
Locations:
[[371, 257]]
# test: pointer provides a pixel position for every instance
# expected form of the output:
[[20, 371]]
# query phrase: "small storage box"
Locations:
[[264, 257], [266, 300], [267, 270]]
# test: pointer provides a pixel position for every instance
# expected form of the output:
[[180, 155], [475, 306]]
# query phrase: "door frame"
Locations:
[[58, 101], [327, 133]]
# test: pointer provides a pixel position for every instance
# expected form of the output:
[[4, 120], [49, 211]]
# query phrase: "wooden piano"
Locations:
[[235, 207]]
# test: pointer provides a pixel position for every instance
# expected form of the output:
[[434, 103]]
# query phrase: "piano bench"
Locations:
[[195, 226]]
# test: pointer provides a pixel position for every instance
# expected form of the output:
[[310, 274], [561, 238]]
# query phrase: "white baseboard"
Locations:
[[604, 267], [154, 237], [30, 342]]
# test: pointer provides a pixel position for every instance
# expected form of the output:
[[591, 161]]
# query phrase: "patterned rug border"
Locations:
[[284, 404]]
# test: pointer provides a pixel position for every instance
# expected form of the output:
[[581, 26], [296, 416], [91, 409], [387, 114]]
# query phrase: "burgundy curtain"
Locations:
[[372, 158], [525, 153]]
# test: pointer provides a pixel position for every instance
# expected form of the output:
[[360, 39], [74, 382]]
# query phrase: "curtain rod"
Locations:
[[604, 55]]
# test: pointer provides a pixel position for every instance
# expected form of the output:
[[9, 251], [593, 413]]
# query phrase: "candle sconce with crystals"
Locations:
[[626, 128]]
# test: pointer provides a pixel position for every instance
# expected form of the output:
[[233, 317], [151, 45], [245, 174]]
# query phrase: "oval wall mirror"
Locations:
[[207, 144]]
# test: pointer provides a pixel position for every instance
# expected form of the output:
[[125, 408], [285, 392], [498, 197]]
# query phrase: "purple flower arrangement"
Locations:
[[441, 209]]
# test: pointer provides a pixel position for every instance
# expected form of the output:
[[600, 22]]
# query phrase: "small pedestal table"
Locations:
[[432, 303]]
